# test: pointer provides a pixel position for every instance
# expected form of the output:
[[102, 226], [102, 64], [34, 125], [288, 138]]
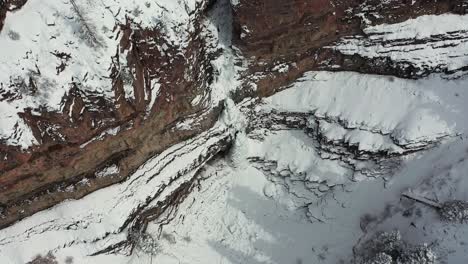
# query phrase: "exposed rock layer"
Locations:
[[281, 39], [92, 132], [298, 33]]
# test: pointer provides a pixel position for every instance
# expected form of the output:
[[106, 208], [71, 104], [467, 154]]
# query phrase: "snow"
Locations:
[[282, 195], [108, 171], [404, 109], [420, 27], [365, 140], [234, 2], [218, 28], [293, 151], [417, 42], [31, 56], [97, 218], [155, 89], [37, 31]]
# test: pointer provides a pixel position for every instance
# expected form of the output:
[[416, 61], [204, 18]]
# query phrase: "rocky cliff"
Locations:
[[69, 114], [300, 35], [112, 111]]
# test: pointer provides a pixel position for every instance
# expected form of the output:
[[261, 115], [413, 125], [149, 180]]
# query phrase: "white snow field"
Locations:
[[242, 214]]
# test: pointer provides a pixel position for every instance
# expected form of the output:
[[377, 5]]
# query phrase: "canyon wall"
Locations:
[[159, 76], [284, 39]]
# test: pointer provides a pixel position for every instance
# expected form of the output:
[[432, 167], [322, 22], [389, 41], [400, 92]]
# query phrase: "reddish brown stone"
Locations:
[[31, 179], [295, 32]]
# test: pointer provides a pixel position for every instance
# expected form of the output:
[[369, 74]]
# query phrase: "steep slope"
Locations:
[[85, 86], [284, 148], [288, 38]]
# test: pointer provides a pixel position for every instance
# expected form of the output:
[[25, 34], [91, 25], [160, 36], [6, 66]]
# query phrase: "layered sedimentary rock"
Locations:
[[129, 95], [285, 39], [116, 109], [155, 79], [278, 29]]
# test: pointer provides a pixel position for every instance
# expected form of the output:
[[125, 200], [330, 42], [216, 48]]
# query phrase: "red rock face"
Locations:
[[73, 144], [277, 29], [278, 26], [296, 32], [267, 18]]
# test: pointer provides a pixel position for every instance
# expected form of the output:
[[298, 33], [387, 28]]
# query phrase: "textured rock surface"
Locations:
[[93, 130], [139, 96], [296, 34], [277, 29]]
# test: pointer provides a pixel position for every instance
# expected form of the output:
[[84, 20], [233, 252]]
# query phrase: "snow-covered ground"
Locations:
[[242, 214], [407, 111], [231, 220]]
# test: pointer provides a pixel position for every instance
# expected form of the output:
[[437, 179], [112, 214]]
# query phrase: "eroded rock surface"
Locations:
[[121, 89], [139, 96], [287, 39]]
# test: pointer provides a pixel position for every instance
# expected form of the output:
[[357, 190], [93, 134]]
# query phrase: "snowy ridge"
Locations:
[[404, 110], [328, 130], [277, 199], [428, 44], [102, 218]]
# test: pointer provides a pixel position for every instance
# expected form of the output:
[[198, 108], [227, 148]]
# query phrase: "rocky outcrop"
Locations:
[[153, 85], [288, 29], [151, 192], [287, 39], [136, 98], [157, 78]]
